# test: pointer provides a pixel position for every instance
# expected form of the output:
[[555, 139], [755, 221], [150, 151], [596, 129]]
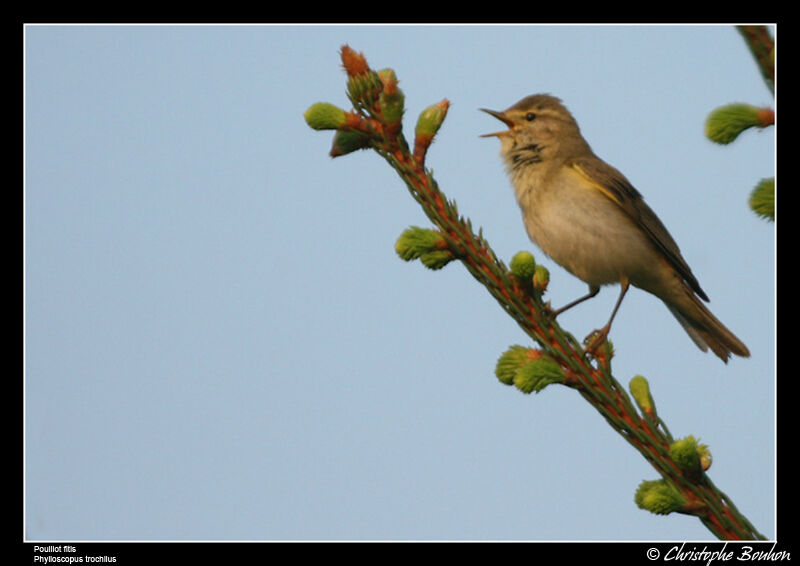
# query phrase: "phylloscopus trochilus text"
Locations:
[[587, 217]]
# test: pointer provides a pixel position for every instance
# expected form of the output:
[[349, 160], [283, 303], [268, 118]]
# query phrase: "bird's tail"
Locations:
[[705, 329]]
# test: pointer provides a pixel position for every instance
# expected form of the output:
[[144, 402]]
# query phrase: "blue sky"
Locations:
[[221, 343]]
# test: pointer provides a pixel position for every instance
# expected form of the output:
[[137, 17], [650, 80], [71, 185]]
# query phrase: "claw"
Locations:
[[596, 339]]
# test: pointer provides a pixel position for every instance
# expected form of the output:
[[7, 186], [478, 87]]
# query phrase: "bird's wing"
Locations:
[[616, 187]]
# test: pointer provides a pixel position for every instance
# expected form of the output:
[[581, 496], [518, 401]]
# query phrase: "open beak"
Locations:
[[502, 117]]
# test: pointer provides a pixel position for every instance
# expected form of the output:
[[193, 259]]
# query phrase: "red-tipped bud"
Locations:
[[354, 64]]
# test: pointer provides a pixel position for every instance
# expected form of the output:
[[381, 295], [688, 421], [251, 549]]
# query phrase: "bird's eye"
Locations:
[[530, 116]]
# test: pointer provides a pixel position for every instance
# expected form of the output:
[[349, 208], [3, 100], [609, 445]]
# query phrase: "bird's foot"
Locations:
[[595, 340]]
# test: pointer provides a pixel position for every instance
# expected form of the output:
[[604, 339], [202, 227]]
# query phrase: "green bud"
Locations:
[[762, 199], [541, 278], [523, 266], [538, 374], [685, 453], [391, 99], [392, 107], [325, 116], [659, 497], [415, 241], [725, 123], [640, 390], [345, 141], [426, 245], [509, 363], [430, 119]]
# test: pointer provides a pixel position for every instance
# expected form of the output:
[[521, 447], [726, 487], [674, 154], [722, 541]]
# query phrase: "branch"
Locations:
[[375, 123], [762, 46]]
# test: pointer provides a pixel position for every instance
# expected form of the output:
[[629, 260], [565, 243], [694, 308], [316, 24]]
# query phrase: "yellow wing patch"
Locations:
[[609, 191]]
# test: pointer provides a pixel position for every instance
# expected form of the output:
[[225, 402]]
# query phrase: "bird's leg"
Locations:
[[593, 290], [599, 336]]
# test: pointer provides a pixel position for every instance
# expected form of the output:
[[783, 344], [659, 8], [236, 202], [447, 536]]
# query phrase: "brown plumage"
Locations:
[[585, 215]]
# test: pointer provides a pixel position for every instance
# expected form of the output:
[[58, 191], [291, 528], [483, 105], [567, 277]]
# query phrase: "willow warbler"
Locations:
[[587, 217]]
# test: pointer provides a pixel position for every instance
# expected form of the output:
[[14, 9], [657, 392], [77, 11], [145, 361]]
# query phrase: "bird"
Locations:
[[586, 216]]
